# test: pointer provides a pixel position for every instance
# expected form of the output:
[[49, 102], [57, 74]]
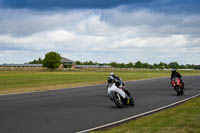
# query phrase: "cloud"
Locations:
[[68, 4], [100, 35], [169, 6]]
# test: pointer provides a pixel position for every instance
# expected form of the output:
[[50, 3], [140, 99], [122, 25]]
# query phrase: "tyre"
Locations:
[[182, 92], [117, 100], [178, 93], [183, 85], [178, 90], [132, 102]]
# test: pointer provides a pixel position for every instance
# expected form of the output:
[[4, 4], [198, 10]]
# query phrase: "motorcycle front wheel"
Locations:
[[178, 91], [117, 100]]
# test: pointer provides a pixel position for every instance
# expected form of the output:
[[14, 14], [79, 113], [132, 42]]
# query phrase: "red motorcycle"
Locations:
[[178, 86]]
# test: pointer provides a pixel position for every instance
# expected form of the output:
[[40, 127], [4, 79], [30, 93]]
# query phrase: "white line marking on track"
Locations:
[[139, 115]]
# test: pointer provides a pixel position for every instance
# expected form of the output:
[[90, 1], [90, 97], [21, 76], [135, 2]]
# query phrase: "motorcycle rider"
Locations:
[[115, 79], [176, 74]]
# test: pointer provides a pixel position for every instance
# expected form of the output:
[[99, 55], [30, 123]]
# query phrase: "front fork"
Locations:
[[118, 97]]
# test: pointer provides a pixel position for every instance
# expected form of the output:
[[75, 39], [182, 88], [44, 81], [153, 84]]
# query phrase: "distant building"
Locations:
[[93, 66], [66, 61], [21, 65]]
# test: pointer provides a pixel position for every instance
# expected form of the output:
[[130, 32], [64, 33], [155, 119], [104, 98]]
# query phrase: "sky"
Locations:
[[102, 31]]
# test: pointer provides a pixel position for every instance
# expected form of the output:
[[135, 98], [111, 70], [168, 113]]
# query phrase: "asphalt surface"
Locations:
[[76, 109]]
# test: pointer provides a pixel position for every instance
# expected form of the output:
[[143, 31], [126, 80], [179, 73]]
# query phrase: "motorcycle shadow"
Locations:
[[175, 94], [115, 107], [125, 106]]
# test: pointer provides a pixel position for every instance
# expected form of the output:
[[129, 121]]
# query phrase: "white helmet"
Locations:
[[112, 73]]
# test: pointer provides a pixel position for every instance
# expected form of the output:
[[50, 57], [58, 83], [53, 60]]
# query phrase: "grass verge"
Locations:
[[184, 118], [23, 81]]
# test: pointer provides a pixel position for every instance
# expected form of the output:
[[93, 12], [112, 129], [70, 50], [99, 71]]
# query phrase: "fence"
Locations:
[[83, 69], [23, 69]]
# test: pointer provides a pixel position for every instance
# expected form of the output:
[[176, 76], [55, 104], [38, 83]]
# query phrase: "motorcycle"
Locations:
[[178, 86], [119, 95]]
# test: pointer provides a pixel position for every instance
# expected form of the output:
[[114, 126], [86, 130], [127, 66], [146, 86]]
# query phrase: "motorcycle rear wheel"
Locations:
[[182, 92], [132, 102]]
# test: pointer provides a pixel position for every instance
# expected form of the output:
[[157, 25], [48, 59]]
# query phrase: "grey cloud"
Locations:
[[68, 4], [140, 35], [157, 23], [25, 22]]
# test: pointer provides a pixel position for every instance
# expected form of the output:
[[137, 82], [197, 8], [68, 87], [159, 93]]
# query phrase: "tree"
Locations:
[[114, 64], [52, 60], [161, 65], [138, 64], [122, 65], [173, 65], [90, 63], [78, 63], [130, 65], [155, 65], [39, 61], [146, 65]]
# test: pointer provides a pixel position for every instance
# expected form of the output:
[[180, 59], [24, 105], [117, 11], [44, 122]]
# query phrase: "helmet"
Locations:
[[112, 74]]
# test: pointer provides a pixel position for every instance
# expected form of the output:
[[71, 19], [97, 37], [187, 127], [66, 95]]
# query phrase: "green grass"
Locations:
[[184, 118], [24, 81]]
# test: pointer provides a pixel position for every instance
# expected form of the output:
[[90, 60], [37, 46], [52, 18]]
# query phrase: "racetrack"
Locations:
[[77, 109]]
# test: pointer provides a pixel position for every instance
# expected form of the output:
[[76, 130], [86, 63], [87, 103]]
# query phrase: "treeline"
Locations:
[[87, 63], [36, 61], [139, 64]]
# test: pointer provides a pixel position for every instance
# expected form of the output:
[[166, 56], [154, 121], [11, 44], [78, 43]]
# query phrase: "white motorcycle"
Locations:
[[118, 94]]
